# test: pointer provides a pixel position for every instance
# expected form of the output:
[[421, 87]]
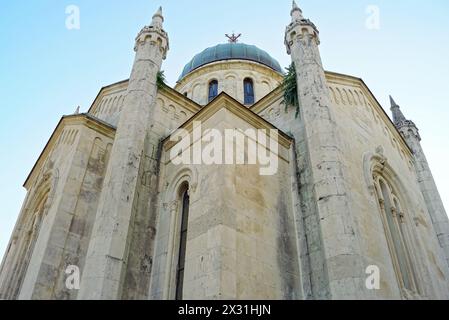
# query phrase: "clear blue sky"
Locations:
[[47, 70]]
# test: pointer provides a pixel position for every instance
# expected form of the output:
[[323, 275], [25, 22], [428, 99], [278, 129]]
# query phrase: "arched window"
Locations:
[[394, 221], [248, 89], [213, 90], [31, 228], [182, 245]]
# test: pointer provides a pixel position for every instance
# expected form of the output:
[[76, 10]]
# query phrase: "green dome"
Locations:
[[231, 51]]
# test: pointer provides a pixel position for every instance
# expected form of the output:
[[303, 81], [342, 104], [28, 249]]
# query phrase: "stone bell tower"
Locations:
[[107, 257], [410, 132], [336, 272]]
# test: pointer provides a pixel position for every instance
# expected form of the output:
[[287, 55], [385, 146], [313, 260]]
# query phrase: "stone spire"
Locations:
[[410, 133], [107, 258], [296, 12], [155, 29], [398, 116], [158, 19], [401, 122], [322, 160], [298, 27]]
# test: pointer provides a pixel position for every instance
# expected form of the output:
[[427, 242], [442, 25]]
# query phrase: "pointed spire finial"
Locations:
[[294, 5], [77, 111], [296, 12], [393, 103], [398, 116], [159, 12], [158, 18]]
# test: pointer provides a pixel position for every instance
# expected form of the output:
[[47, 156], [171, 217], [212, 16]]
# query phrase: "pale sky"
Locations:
[[47, 70]]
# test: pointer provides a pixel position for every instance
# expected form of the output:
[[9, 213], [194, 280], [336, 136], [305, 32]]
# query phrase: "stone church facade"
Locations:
[[352, 192]]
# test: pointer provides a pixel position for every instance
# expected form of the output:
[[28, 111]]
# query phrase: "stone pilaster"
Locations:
[[435, 206], [337, 269], [106, 262]]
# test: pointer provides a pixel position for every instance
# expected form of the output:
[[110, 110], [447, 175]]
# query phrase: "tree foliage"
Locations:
[[160, 79], [290, 87]]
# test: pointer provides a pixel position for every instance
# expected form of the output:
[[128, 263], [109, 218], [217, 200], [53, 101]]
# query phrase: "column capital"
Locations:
[[300, 29], [155, 36]]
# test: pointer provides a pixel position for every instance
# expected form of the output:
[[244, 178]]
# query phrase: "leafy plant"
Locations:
[[290, 87], [160, 79]]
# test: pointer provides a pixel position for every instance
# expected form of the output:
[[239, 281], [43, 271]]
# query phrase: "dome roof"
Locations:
[[231, 51]]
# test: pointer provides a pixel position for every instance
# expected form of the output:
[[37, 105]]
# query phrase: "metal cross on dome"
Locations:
[[233, 38]]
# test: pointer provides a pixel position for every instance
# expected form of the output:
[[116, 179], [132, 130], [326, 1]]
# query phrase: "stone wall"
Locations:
[[170, 111], [109, 103], [71, 169], [366, 130], [230, 76], [242, 237]]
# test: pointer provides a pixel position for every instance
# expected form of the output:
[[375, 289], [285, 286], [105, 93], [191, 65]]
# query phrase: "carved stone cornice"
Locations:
[[295, 32], [153, 33]]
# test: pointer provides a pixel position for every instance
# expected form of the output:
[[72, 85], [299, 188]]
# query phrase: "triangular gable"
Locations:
[[223, 100], [334, 76], [165, 90], [84, 119]]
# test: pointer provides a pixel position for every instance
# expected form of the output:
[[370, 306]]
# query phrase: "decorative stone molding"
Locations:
[[156, 36], [373, 162]]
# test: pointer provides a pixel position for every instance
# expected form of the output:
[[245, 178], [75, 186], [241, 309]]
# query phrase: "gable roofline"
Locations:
[[104, 89], [267, 100], [84, 118], [223, 100], [169, 91], [377, 104], [191, 105], [277, 93]]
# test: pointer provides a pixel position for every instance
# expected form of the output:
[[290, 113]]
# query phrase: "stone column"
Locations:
[[339, 262], [102, 277], [427, 184]]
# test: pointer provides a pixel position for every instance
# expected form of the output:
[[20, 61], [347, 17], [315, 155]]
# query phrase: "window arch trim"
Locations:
[[248, 91], [181, 180], [375, 164], [182, 229], [212, 89], [396, 233]]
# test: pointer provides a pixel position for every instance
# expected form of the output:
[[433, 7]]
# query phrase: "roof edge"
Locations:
[[61, 121]]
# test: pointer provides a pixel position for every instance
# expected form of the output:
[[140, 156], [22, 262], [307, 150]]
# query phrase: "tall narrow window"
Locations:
[[32, 229], [395, 226], [213, 90], [248, 88], [182, 246]]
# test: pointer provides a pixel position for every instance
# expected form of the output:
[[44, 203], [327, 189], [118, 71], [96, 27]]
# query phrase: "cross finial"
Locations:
[[233, 38]]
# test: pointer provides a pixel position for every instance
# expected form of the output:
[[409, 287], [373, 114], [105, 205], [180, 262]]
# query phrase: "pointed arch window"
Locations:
[[248, 89], [182, 245], [395, 221], [26, 244], [213, 90]]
